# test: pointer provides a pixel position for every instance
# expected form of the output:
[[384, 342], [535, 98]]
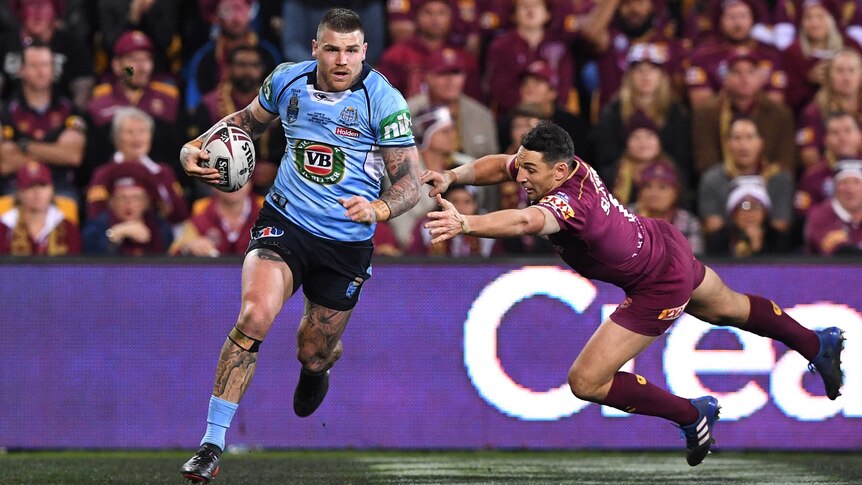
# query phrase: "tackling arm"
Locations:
[[448, 223], [487, 170]]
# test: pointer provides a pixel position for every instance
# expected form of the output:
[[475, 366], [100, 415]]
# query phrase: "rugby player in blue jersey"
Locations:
[[648, 258], [345, 126]]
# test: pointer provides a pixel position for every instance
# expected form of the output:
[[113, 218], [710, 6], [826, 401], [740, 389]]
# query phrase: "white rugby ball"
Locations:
[[231, 152]]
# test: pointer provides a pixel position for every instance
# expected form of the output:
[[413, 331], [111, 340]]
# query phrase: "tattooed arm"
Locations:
[[253, 119], [402, 165]]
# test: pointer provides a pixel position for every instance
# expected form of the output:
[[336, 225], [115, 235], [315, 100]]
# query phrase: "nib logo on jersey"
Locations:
[[319, 162]]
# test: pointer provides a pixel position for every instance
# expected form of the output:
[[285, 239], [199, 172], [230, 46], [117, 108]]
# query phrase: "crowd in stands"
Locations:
[[736, 120]]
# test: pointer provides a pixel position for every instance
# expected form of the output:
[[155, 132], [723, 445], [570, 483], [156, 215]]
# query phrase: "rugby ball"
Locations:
[[231, 152]]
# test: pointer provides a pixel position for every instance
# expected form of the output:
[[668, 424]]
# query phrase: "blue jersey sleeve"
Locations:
[[390, 115], [272, 86]]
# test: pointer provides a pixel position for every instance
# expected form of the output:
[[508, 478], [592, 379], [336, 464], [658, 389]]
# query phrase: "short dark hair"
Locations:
[[837, 115], [552, 142], [231, 55], [341, 20], [34, 43]]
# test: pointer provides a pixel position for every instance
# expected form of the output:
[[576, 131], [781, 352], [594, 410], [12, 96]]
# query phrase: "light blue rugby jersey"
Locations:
[[332, 141]]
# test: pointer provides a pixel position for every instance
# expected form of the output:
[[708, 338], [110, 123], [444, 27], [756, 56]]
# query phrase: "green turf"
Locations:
[[393, 467]]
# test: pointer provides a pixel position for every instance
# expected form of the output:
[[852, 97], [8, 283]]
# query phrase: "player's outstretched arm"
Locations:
[[487, 170], [448, 223], [253, 119]]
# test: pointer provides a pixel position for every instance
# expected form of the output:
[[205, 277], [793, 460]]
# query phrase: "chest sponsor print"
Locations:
[[319, 162]]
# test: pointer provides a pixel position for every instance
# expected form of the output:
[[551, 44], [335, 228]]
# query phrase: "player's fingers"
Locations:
[[445, 204], [441, 238]]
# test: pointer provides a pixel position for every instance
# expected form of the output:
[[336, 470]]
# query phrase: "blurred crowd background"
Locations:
[[737, 120]]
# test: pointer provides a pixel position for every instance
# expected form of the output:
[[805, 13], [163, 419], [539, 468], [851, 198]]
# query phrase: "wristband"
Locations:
[[381, 210]]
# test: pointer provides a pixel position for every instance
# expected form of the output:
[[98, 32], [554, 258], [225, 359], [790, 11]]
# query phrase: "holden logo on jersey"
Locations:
[[319, 162], [348, 132]]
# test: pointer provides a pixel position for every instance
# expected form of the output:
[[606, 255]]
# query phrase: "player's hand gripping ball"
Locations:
[[231, 152]]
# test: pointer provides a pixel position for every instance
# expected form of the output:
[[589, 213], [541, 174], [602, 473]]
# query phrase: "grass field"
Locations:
[[414, 467]]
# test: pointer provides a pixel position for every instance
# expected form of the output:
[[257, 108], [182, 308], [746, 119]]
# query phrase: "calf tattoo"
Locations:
[[235, 369]]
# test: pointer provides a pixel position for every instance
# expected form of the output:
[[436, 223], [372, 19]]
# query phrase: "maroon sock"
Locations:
[[768, 320], [633, 394]]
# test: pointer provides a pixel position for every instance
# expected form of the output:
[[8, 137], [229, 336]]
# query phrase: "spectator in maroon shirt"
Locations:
[[222, 226], [843, 140], [789, 17], [704, 21], [835, 226], [642, 148], [520, 121], [709, 59], [404, 63], [818, 41], [35, 226], [841, 91], [528, 41]]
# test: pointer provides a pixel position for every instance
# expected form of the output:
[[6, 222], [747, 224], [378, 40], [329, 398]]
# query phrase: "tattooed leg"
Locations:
[[319, 337], [266, 284]]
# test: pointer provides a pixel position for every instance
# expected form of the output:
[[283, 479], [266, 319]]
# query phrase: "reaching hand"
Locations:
[[191, 157], [439, 180], [447, 223]]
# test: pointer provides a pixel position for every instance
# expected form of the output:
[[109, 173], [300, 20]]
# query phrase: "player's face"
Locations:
[[845, 74], [744, 144], [737, 21], [36, 198], [843, 137], [339, 58], [537, 177], [134, 138], [815, 23], [848, 191]]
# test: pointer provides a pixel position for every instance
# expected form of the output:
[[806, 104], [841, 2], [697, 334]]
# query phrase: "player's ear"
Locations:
[[364, 50], [314, 48]]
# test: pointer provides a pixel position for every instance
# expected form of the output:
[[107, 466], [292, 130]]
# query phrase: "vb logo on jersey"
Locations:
[[318, 162]]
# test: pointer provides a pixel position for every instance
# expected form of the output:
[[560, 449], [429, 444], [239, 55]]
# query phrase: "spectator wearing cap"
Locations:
[[221, 225], [35, 226], [245, 76], [637, 22], [405, 63], [818, 40], [129, 227], [72, 62], [132, 133], [742, 95], [300, 19], [745, 157], [208, 65], [658, 197], [748, 232], [436, 139], [841, 91], [540, 88], [835, 226], [790, 17], [843, 141], [510, 54], [41, 126], [710, 59], [643, 147], [645, 89], [158, 19], [132, 66], [464, 199], [445, 77]]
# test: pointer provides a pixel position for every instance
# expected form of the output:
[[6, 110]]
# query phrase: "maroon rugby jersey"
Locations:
[[598, 237]]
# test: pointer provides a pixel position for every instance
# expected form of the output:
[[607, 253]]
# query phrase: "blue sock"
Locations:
[[218, 421]]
